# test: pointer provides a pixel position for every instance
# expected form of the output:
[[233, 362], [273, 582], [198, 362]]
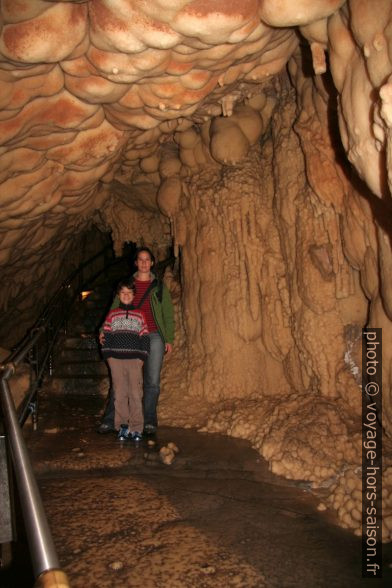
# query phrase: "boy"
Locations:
[[125, 347]]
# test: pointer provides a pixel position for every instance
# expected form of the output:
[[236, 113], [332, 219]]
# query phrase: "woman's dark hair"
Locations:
[[126, 283], [147, 250]]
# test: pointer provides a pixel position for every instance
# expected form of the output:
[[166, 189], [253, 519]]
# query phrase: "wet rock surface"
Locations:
[[214, 517]]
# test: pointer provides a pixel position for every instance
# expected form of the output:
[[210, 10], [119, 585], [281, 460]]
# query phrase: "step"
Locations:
[[98, 297], [88, 385], [82, 315], [81, 341], [77, 327], [78, 369], [83, 310], [67, 354]]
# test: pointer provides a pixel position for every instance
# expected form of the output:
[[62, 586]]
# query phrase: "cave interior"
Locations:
[[252, 140]]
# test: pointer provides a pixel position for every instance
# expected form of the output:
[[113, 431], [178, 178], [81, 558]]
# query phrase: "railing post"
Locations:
[[7, 527], [33, 408], [81, 274], [33, 362], [43, 553], [49, 335]]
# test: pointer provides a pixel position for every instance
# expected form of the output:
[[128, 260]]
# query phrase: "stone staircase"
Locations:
[[78, 367]]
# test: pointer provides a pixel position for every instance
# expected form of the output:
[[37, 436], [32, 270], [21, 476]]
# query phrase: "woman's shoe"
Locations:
[[104, 428]]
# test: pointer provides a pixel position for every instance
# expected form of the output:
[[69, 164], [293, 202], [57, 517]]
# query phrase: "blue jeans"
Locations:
[[151, 384], [152, 379]]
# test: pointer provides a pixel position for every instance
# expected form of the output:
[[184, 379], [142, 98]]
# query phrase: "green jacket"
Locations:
[[162, 309]]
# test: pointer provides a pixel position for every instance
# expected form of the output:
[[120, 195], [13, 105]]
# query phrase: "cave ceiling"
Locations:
[[107, 105], [107, 99]]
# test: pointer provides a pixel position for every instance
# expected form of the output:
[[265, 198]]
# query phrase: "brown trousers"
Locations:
[[127, 376]]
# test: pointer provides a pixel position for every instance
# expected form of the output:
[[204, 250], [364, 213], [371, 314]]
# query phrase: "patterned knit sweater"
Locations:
[[125, 330]]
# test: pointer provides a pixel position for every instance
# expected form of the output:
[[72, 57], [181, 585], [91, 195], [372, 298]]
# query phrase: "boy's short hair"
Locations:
[[147, 250], [126, 283]]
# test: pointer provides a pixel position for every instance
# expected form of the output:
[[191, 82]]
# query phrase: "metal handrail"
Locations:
[[42, 549], [54, 316]]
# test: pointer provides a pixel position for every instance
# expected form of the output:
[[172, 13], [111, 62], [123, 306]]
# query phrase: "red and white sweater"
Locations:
[[125, 331]]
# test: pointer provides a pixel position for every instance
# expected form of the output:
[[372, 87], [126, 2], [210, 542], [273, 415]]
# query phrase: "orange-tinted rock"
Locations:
[[112, 111]]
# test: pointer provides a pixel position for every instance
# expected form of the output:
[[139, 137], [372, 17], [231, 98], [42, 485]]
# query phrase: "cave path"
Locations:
[[215, 517]]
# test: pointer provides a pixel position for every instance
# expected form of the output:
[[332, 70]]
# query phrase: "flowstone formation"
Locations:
[[255, 138]]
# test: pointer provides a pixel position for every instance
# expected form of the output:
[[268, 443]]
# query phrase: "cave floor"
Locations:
[[215, 517]]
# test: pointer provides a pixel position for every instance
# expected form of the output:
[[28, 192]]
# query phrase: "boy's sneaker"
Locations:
[[123, 433], [135, 436], [149, 430]]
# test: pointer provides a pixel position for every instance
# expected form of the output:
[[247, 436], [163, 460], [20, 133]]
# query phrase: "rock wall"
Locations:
[[272, 306]]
